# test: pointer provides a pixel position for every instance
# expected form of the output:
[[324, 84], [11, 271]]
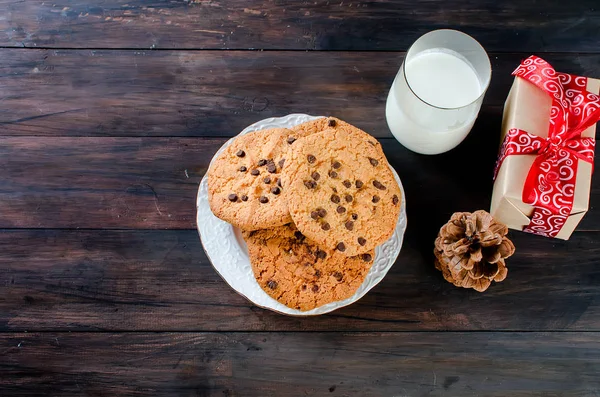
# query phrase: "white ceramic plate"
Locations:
[[228, 253]]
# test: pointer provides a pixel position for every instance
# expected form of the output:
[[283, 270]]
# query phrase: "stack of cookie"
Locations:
[[312, 201]]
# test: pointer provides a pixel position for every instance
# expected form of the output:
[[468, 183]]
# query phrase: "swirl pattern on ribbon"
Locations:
[[550, 183]]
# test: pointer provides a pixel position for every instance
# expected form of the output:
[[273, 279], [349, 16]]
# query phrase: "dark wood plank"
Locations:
[[320, 25], [291, 364], [151, 183], [212, 93], [102, 182], [161, 280]]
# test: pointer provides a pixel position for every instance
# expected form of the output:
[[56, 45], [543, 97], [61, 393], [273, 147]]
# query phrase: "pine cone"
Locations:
[[470, 250]]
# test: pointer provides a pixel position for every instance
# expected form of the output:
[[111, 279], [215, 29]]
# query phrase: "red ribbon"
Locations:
[[550, 184]]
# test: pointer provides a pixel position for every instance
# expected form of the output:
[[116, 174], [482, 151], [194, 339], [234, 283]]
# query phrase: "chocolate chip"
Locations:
[[341, 209], [335, 198], [310, 184], [331, 123], [321, 254], [232, 197], [243, 169], [333, 174], [315, 288], [291, 140], [271, 168], [359, 184], [272, 284], [255, 172], [325, 226], [348, 198], [314, 215], [373, 162], [281, 163], [240, 153], [263, 199], [349, 225], [355, 216], [311, 159], [362, 241], [262, 162], [318, 273], [315, 175], [321, 212], [244, 198], [304, 287], [267, 179], [366, 257], [341, 247], [275, 190], [395, 199], [375, 199], [336, 165], [279, 182], [378, 185], [299, 235], [347, 183], [338, 276]]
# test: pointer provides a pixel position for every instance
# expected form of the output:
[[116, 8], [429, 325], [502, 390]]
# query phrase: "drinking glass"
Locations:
[[437, 93]]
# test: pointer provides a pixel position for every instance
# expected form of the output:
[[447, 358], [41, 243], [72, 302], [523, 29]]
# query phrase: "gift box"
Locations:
[[544, 168]]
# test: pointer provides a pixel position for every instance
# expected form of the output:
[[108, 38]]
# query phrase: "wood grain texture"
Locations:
[[60, 280], [151, 183], [310, 364], [213, 93], [511, 25]]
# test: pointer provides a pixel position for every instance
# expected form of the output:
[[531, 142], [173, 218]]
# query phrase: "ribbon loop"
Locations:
[[550, 183]]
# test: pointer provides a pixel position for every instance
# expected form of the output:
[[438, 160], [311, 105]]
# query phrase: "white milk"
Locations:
[[444, 81]]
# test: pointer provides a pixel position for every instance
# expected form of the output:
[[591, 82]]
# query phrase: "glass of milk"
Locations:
[[437, 94]]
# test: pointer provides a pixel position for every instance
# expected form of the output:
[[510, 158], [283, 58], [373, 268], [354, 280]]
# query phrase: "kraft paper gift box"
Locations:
[[552, 199]]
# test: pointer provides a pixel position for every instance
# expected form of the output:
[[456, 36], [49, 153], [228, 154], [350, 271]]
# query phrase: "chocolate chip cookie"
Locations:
[[244, 184], [324, 123], [298, 273], [341, 192]]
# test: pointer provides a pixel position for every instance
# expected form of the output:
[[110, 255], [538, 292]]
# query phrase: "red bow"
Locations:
[[550, 184]]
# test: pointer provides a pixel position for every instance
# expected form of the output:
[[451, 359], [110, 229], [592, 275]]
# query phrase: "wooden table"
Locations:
[[110, 113]]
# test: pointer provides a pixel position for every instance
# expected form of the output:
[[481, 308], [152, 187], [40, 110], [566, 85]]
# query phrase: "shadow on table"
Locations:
[[437, 186]]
